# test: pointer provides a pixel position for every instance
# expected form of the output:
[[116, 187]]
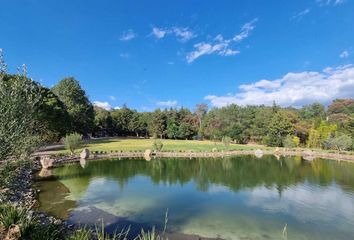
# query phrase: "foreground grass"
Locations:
[[16, 223], [127, 145]]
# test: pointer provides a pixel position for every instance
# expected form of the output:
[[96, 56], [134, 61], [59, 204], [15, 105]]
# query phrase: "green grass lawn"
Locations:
[[127, 144]]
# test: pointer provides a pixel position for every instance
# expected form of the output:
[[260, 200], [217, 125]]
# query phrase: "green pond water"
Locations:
[[239, 197]]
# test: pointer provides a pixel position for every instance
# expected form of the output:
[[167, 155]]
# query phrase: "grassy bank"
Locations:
[[127, 144]]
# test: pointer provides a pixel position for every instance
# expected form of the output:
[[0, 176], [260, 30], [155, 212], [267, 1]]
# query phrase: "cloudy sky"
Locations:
[[150, 54]]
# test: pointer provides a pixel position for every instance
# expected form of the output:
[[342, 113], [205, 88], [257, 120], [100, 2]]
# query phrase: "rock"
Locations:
[[13, 233], [258, 153], [276, 150], [45, 172], [82, 162], [85, 154], [57, 222], [46, 162], [147, 154]]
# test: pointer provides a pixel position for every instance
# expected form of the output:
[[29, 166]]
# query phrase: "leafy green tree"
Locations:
[[72, 142], [200, 111], [19, 100], [137, 124], [314, 140], [79, 107], [157, 124], [52, 115], [172, 129], [279, 127], [122, 120], [103, 122]]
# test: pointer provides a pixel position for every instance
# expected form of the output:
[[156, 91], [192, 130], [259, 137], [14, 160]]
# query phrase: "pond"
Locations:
[[239, 197]]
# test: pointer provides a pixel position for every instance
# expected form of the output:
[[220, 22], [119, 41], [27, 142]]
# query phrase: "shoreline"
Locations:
[[308, 155]]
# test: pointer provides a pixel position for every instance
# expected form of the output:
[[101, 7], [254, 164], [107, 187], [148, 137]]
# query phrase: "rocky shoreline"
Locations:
[[22, 193]]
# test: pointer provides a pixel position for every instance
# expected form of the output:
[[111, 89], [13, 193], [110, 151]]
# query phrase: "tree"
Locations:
[[137, 124], [79, 107], [157, 124], [18, 104], [313, 140], [72, 142], [200, 111], [103, 122], [52, 115], [279, 127]]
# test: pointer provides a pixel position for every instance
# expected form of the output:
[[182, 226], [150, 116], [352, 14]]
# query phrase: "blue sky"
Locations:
[[151, 54]]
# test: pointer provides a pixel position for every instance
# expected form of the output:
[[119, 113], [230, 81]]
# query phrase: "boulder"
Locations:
[[13, 233], [147, 154], [45, 172], [83, 162], [85, 154], [46, 162], [258, 153]]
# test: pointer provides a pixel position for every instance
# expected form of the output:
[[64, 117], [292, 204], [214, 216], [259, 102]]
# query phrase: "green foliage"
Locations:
[[10, 214], [288, 142], [279, 127], [340, 143], [72, 142], [157, 124], [48, 232], [79, 107], [157, 145], [226, 140], [52, 115], [80, 234], [296, 141], [19, 101]]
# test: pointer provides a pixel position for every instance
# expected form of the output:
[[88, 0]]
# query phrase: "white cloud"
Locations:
[[246, 30], [168, 103], [219, 45], [183, 34], [128, 35], [344, 54], [330, 2], [104, 105], [113, 98], [293, 89], [207, 49], [299, 15], [159, 32]]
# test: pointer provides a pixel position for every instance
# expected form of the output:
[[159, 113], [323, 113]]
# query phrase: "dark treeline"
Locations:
[[66, 108]]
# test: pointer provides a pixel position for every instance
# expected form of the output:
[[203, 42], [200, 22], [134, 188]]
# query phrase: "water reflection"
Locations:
[[231, 197]]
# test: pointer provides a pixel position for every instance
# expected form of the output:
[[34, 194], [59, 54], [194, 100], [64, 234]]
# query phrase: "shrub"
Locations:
[[340, 143], [226, 140], [157, 145], [72, 142], [288, 142], [296, 140]]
